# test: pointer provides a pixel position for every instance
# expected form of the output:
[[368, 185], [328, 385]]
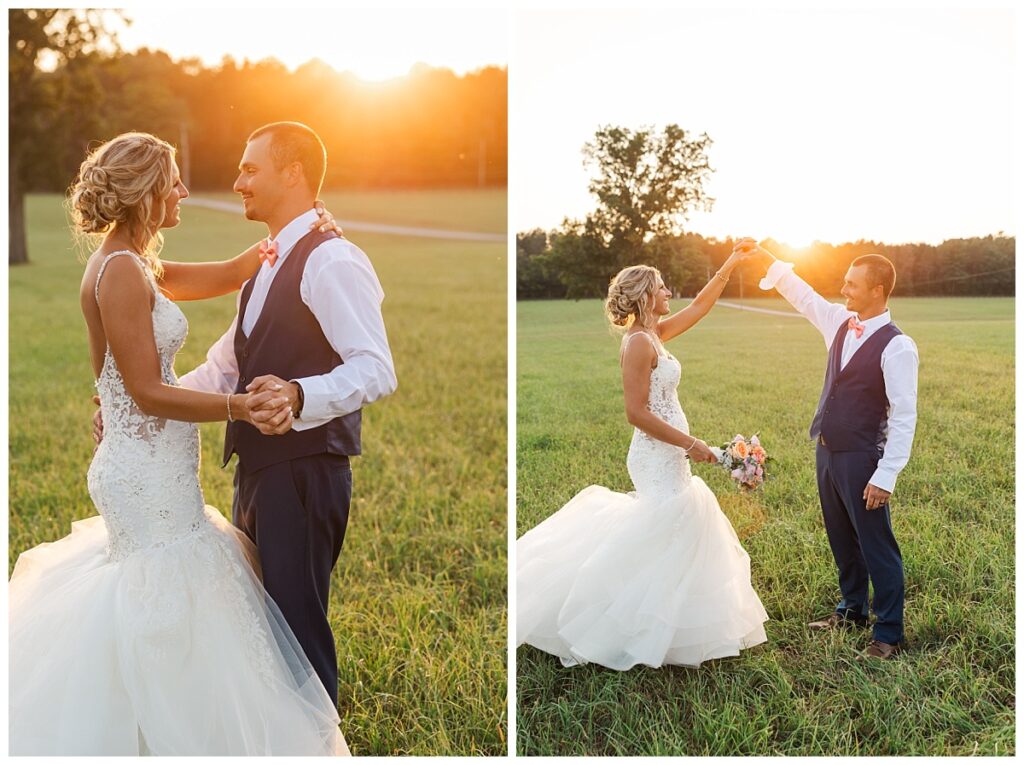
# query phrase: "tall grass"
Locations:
[[953, 692], [418, 598]]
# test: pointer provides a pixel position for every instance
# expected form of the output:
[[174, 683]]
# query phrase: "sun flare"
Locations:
[[374, 45]]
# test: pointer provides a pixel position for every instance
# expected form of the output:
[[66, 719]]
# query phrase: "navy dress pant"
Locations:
[[296, 513], [862, 542]]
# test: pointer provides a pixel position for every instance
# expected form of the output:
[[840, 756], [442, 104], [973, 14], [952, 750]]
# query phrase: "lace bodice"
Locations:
[[658, 468], [144, 476]]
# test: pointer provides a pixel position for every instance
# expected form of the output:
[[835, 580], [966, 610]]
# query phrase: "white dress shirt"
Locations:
[[341, 288], [899, 364]]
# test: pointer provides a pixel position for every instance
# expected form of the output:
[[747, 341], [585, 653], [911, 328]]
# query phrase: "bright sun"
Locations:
[[374, 45]]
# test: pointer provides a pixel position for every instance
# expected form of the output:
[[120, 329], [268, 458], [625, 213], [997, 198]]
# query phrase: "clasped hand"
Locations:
[[272, 403], [269, 405], [748, 248]]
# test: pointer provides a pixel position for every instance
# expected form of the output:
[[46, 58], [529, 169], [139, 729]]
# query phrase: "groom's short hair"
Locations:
[[295, 142], [880, 270]]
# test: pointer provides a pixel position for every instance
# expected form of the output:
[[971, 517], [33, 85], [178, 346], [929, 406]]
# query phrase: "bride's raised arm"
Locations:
[[682, 320], [198, 281]]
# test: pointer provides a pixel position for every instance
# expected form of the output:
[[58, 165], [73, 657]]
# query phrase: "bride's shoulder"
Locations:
[[633, 351], [118, 271]]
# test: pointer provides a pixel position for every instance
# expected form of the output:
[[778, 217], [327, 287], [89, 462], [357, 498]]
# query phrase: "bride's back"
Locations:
[[90, 306]]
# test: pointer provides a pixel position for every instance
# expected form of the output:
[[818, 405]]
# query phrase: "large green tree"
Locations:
[[646, 183], [35, 96]]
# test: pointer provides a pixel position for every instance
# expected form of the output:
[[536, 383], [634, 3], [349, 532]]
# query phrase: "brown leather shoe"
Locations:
[[878, 650], [834, 620]]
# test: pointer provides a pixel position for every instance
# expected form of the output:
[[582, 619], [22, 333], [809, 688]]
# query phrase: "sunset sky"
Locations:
[[830, 125], [374, 44]]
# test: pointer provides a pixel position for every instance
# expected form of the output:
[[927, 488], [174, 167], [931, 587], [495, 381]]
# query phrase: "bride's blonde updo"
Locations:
[[631, 296], [124, 183]]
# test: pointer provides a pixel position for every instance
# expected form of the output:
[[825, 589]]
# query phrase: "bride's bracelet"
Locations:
[[230, 418], [692, 444], [723, 278]]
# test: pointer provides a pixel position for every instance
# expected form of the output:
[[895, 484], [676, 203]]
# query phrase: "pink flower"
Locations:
[[755, 441], [738, 474]]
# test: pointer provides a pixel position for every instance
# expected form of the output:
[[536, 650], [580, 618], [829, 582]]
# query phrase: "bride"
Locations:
[[657, 576], [147, 630]]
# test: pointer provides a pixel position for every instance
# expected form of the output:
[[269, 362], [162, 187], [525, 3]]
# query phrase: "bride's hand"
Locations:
[[267, 411], [700, 452], [736, 257], [326, 221], [749, 248]]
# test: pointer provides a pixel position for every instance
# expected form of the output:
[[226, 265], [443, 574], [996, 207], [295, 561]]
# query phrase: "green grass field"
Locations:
[[419, 597], [953, 693]]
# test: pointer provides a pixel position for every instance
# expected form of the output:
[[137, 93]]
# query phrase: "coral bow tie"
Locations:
[[856, 327], [268, 252]]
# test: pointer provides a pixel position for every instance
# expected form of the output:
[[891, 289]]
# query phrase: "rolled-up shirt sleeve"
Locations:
[[899, 370], [342, 290]]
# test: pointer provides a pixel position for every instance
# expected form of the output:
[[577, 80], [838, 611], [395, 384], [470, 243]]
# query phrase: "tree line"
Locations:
[[647, 181], [429, 129], [432, 128], [567, 263]]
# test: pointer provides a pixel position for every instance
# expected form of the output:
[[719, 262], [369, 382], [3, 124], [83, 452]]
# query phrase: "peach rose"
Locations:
[[740, 449], [759, 454]]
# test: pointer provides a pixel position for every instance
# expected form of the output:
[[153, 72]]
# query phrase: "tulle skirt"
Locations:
[[172, 650], [621, 580]]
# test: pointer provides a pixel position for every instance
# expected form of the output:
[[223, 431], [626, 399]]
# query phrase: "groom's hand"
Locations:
[[875, 497], [276, 385], [97, 422], [268, 412]]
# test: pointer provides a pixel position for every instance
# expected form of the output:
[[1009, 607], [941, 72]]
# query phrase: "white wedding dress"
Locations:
[[653, 577], [146, 630]]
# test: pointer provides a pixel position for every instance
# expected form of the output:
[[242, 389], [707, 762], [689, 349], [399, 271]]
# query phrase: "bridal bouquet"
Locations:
[[745, 459]]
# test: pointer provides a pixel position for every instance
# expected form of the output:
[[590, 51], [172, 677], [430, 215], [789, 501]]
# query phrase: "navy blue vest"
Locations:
[[287, 341], [853, 408]]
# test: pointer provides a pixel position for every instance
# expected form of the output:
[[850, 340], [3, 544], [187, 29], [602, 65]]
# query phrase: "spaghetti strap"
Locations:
[[630, 335], [110, 256]]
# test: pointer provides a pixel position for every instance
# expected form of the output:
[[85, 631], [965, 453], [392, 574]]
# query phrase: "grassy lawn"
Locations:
[[419, 597], [801, 693], [451, 209]]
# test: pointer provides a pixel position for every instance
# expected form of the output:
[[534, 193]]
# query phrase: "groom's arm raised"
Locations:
[[824, 315]]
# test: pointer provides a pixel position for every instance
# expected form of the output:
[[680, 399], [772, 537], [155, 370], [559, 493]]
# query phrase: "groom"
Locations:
[[309, 325], [864, 428]]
